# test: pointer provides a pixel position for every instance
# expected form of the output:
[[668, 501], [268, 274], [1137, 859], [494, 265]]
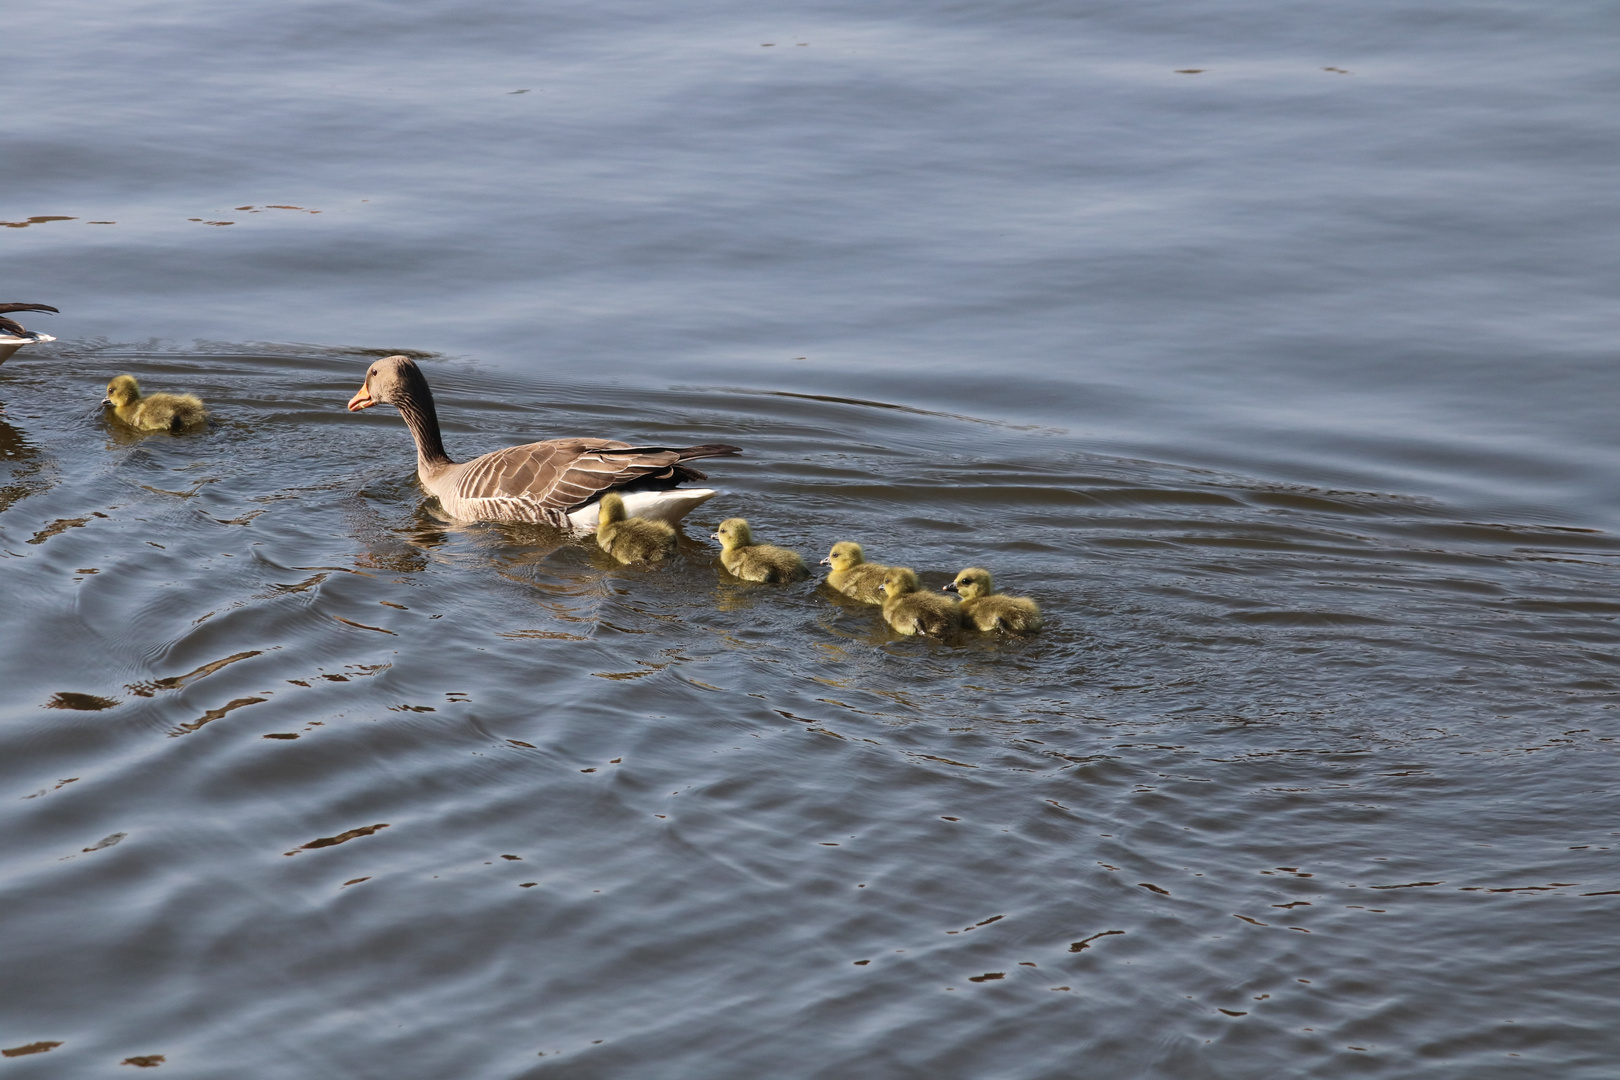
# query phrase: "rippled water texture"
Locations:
[[1270, 347]]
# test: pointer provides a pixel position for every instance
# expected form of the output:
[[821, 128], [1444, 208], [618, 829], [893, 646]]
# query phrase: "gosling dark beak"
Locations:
[[825, 562], [106, 401], [948, 588], [714, 536], [362, 399]]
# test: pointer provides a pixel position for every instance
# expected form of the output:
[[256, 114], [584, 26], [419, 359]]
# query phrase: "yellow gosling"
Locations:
[[631, 539], [989, 610], [852, 575], [173, 413], [756, 562], [909, 610]]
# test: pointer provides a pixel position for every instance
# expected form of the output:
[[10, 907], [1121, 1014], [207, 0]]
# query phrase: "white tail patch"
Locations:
[[10, 344], [666, 506]]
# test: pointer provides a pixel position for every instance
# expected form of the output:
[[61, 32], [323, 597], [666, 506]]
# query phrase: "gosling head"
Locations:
[[388, 381], [122, 391], [845, 555], [734, 532], [971, 584], [610, 508], [899, 581]]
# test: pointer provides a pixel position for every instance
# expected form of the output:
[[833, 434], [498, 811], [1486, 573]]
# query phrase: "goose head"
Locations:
[[971, 584], [388, 382], [122, 391], [733, 532], [845, 555], [397, 381], [899, 581]]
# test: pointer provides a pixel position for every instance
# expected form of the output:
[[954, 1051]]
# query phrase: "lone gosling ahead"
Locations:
[[989, 610], [631, 539], [852, 575], [173, 413], [756, 562], [909, 610]]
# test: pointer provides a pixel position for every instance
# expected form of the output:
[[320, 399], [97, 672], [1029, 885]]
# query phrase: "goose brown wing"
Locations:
[[562, 474]]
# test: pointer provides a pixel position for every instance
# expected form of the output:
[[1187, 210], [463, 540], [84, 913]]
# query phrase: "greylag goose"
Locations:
[[631, 539], [756, 562], [852, 575], [989, 610], [911, 611], [555, 482], [173, 413], [12, 334]]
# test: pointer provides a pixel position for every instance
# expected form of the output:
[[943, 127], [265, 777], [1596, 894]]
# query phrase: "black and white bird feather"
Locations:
[[13, 328]]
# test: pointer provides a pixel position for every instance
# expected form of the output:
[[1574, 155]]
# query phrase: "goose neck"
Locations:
[[416, 406]]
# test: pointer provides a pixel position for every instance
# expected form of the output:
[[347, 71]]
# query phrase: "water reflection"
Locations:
[[1253, 707], [23, 466], [395, 542]]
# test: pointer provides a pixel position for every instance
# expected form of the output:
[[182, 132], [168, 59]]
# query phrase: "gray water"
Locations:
[[1269, 346]]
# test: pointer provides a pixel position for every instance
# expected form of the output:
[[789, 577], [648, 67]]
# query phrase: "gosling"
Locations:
[[631, 539], [989, 610], [173, 413], [757, 562], [911, 611], [852, 575]]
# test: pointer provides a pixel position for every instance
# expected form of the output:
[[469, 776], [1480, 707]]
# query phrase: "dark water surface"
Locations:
[[1286, 386]]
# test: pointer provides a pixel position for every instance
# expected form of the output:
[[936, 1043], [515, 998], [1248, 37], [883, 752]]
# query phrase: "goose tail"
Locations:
[[666, 506]]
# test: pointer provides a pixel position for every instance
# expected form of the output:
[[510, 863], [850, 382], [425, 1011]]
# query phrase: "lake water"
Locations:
[[1271, 347]]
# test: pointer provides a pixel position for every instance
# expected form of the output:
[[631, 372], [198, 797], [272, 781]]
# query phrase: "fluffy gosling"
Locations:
[[173, 413], [852, 575], [989, 610], [911, 611], [631, 539], [756, 562]]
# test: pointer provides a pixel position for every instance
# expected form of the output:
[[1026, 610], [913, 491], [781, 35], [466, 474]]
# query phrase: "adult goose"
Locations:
[[12, 334], [556, 482]]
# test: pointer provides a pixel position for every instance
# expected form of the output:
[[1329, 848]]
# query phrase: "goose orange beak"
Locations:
[[362, 399]]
